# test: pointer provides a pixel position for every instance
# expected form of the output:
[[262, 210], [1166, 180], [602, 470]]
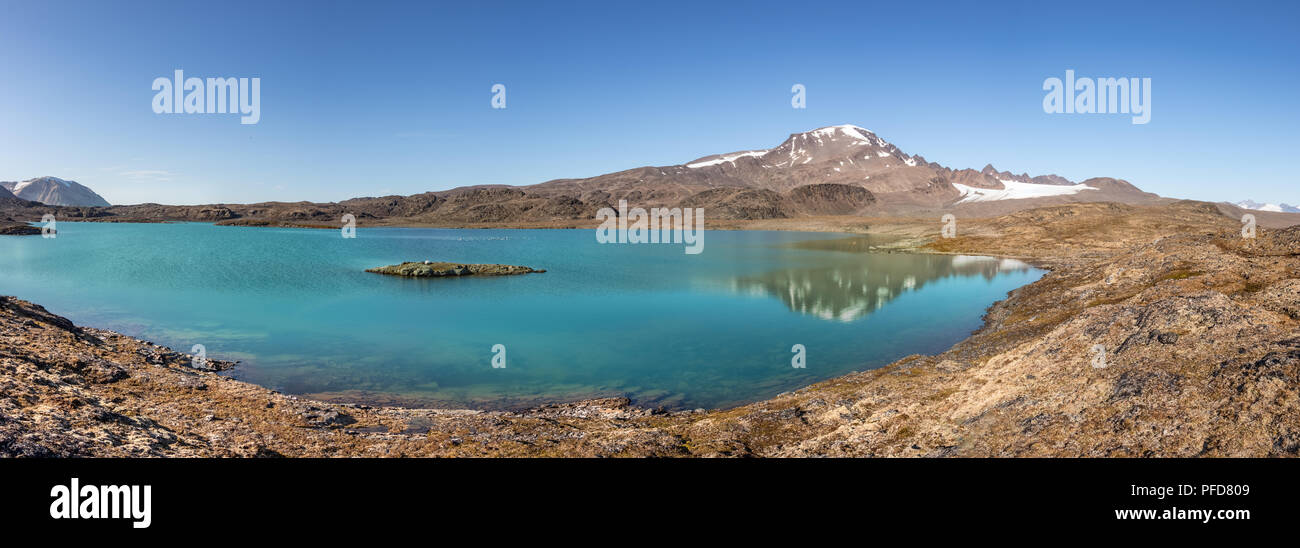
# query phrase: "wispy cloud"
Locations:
[[142, 175]]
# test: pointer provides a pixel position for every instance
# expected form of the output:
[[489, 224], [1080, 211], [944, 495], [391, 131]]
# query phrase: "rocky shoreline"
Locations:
[[18, 229], [1198, 330]]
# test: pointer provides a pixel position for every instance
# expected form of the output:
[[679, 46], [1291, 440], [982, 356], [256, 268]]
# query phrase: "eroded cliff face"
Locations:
[[1159, 332]]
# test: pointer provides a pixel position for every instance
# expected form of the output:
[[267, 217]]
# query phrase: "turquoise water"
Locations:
[[646, 321]]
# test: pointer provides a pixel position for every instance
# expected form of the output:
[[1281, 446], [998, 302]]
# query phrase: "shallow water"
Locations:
[[646, 321]]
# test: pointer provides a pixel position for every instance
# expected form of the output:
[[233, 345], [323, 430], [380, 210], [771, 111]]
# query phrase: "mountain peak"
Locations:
[[51, 178], [817, 145], [849, 130], [50, 190], [831, 143]]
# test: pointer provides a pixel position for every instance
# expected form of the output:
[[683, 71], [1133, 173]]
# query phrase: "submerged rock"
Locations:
[[428, 269]]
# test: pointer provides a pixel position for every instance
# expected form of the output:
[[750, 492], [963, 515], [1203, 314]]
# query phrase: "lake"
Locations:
[[645, 321]]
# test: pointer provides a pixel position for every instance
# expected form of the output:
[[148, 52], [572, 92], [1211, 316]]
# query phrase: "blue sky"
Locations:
[[372, 98]]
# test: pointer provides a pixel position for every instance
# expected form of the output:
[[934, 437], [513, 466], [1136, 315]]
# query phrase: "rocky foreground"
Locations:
[[1159, 331]]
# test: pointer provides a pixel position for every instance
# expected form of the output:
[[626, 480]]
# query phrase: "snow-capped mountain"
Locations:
[[1280, 208], [834, 143], [56, 192], [846, 155]]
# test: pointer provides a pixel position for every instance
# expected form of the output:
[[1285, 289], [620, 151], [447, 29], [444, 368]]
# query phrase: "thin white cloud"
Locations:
[[147, 175]]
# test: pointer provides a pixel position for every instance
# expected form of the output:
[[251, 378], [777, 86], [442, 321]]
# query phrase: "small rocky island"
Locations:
[[430, 269], [9, 228]]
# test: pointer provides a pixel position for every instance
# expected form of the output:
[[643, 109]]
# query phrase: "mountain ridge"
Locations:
[[833, 170]]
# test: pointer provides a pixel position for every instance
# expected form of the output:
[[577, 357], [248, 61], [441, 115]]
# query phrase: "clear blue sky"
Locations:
[[371, 98]]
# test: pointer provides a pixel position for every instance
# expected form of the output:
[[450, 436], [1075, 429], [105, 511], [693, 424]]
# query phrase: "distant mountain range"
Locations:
[[54, 191], [835, 170], [1277, 208]]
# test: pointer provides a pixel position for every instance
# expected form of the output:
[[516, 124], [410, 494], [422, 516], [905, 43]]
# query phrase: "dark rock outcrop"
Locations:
[[831, 199], [739, 203]]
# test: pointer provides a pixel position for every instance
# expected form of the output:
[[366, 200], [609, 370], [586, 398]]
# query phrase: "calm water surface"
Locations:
[[645, 321]]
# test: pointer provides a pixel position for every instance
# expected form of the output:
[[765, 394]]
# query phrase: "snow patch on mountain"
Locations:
[[847, 129], [1016, 191], [726, 158], [1277, 208]]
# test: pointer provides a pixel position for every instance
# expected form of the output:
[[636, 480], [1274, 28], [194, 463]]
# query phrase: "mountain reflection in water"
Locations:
[[853, 291]]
